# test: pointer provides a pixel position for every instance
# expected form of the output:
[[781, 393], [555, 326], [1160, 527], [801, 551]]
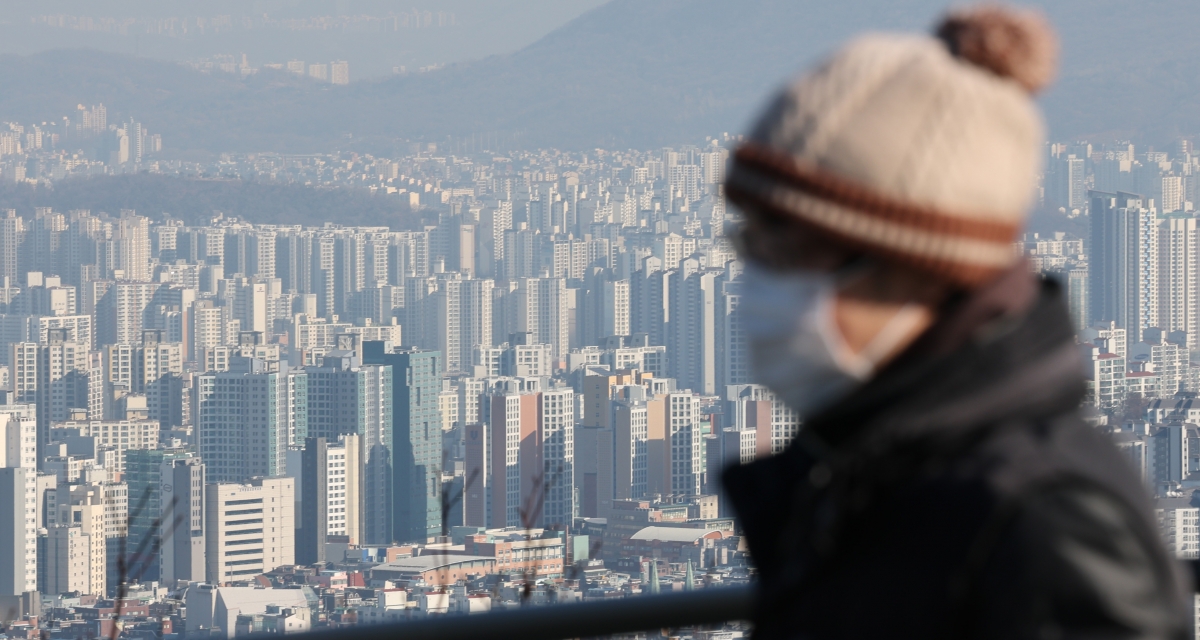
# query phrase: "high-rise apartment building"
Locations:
[[603, 309], [12, 235], [513, 473], [523, 469], [247, 302], [346, 396], [1179, 277], [55, 377], [18, 500], [415, 435], [250, 252], [556, 437], [650, 296], [152, 367], [755, 407], [121, 312], [633, 413], [85, 506], [1124, 263], [329, 492], [1066, 183], [460, 315], [247, 417], [541, 308], [514, 359], [692, 331], [208, 329], [118, 435], [712, 165], [319, 71], [129, 249], [732, 354], [684, 442]]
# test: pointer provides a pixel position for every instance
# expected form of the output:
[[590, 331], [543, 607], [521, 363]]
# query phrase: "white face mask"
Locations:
[[796, 349]]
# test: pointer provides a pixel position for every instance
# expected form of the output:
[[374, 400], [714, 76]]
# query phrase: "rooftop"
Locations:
[[429, 562], [672, 534]]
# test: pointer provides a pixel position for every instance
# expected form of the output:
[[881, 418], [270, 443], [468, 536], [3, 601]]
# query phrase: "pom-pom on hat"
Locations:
[[923, 150]]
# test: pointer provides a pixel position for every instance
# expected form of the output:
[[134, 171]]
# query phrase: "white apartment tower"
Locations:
[[54, 377], [120, 314], [151, 367], [684, 442], [633, 410], [129, 249], [208, 329], [12, 232], [329, 496], [460, 315], [540, 307], [86, 507], [649, 293], [556, 435], [1179, 521], [1179, 290], [181, 533], [339, 72], [18, 500]]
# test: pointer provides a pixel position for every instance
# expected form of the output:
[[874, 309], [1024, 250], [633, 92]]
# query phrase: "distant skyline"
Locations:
[[626, 73], [376, 37]]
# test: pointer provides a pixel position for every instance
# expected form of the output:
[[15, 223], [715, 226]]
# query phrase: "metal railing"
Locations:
[[713, 605]]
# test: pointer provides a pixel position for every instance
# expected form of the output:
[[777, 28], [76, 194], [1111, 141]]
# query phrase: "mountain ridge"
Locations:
[[627, 73]]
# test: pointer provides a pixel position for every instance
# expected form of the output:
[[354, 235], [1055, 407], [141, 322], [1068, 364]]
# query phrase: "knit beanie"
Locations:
[[923, 150]]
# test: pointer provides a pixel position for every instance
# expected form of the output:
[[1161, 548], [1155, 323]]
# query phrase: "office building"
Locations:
[[64, 555], [249, 528]]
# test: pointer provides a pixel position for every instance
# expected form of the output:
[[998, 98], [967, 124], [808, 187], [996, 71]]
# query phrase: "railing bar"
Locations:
[[555, 622]]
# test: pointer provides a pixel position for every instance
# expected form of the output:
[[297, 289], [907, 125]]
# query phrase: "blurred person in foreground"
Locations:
[[943, 484]]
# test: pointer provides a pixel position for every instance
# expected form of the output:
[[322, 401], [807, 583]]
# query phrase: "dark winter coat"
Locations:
[[959, 494]]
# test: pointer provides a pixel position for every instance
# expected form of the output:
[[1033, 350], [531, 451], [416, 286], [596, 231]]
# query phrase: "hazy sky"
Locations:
[[311, 30]]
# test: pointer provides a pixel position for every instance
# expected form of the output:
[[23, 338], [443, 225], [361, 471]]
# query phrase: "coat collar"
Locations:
[[1006, 352]]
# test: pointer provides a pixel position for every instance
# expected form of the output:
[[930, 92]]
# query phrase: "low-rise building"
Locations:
[[438, 569], [671, 544], [520, 553]]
